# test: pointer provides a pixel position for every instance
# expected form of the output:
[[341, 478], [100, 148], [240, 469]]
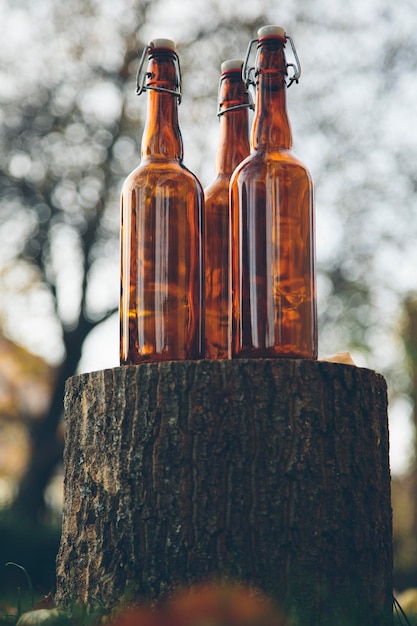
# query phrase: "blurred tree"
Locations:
[[404, 489], [63, 146]]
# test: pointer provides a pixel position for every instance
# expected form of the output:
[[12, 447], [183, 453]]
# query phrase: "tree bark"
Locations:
[[272, 472]]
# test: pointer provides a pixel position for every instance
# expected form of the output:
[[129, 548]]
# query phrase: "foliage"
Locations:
[[217, 604], [220, 603], [33, 547]]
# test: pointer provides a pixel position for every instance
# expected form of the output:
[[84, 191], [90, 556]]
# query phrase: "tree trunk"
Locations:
[[272, 472], [46, 445]]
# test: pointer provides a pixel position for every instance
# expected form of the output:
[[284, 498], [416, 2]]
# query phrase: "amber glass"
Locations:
[[273, 273], [161, 308], [233, 148]]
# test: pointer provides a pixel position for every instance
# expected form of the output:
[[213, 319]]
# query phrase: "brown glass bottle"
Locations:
[[272, 214], [161, 306], [233, 148]]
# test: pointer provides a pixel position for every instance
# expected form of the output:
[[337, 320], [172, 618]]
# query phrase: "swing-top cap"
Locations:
[[271, 31], [168, 44], [231, 65]]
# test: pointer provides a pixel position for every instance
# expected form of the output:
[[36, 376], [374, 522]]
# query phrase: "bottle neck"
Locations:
[[271, 127], [162, 136], [234, 124]]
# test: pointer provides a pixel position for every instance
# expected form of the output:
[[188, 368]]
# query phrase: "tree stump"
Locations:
[[273, 472]]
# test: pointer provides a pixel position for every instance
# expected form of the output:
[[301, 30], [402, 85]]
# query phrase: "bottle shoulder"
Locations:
[[154, 172], [218, 185], [216, 195], [267, 163]]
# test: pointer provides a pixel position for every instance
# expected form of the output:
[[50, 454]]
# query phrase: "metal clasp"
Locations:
[[141, 77], [249, 72], [296, 67], [248, 105]]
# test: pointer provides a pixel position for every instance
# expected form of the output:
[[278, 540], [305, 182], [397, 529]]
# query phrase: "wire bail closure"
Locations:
[[236, 107], [142, 76], [249, 105], [244, 105], [249, 72]]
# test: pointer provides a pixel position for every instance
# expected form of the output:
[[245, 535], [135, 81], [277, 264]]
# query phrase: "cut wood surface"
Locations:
[[269, 471]]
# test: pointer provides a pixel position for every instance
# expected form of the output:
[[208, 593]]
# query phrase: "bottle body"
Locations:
[[218, 295], [273, 259], [161, 304], [272, 215], [233, 148], [162, 282]]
